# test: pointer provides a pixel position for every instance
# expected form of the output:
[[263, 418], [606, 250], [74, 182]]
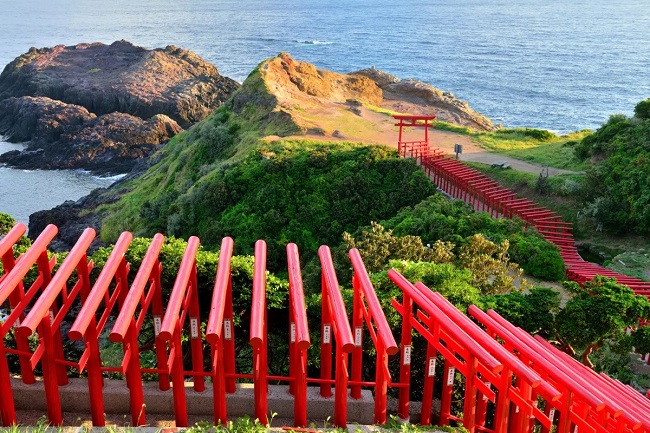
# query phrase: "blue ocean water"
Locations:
[[553, 64]]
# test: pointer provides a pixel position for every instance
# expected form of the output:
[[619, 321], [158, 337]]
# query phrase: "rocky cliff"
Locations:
[[87, 105], [413, 95]]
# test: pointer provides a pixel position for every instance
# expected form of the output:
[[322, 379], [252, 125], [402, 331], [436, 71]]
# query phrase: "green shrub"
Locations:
[[616, 192], [642, 109], [537, 134], [533, 311], [437, 218], [453, 283], [537, 257], [303, 192]]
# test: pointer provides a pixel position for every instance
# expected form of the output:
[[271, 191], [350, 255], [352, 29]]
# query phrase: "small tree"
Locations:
[[641, 339], [6, 223], [490, 265], [378, 246], [642, 109], [597, 313]]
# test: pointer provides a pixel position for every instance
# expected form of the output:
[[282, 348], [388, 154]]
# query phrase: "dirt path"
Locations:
[[378, 128]]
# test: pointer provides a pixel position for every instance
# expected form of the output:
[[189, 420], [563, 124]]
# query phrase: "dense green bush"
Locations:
[[537, 134], [642, 109], [453, 283], [533, 311], [302, 192], [616, 192], [537, 257], [437, 218]]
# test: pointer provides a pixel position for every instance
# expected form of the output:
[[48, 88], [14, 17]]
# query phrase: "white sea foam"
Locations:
[[314, 42]]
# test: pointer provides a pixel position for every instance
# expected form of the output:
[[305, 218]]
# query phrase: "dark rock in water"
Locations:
[[120, 77], [73, 217], [65, 136], [429, 100], [102, 107], [43, 119]]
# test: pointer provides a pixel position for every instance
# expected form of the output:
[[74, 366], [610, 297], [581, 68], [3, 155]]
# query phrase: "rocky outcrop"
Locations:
[[399, 94], [68, 136], [120, 77], [97, 106]]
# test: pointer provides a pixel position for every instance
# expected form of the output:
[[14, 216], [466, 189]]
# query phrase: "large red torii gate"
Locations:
[[405, 148]]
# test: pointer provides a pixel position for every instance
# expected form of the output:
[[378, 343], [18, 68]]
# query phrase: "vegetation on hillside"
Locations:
[[617, 188], [437, 218]]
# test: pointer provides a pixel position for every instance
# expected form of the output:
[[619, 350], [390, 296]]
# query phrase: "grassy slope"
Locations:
[[211, 145], [537, 146]]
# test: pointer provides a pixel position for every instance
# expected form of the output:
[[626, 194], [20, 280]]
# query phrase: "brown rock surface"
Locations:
[[68, 136], [120, 77], [422, 98], [101, 107]]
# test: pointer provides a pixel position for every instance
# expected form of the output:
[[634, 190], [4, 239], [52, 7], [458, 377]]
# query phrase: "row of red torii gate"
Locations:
[[509, 380]]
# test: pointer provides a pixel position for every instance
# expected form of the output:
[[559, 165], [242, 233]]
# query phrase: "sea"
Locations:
[[553, 64]]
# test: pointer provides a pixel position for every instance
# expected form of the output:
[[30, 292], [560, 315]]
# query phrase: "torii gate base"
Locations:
[[74, 398]]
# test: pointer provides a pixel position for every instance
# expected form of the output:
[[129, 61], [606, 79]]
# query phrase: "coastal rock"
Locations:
[[120, 77], [400, 94], [44, 119], [321, 83], [68, 136], [101, 107]]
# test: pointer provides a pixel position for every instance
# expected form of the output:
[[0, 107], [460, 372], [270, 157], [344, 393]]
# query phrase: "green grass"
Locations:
[[538, 146], [445, 126], [559, 196], [636, 264], [533, 145]]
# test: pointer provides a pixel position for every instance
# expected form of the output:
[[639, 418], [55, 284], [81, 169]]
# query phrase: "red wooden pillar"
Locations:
[[325, 343], [357, 328], [447, 391], [429, 381], [405, 359]]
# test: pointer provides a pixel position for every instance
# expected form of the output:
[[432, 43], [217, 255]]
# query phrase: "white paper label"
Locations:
[[51, 316], [227, 329], [157, 323], [575, 429], [551, 414], [293, 332], [357, 336], [450, 376], [516, 409], [407, 355], [432, 367], [327, 334], [194, 328]]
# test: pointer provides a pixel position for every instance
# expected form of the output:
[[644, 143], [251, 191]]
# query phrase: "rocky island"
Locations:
[[103, 107]]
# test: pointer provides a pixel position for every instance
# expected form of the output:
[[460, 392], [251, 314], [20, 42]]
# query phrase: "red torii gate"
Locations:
[[411, 121]]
